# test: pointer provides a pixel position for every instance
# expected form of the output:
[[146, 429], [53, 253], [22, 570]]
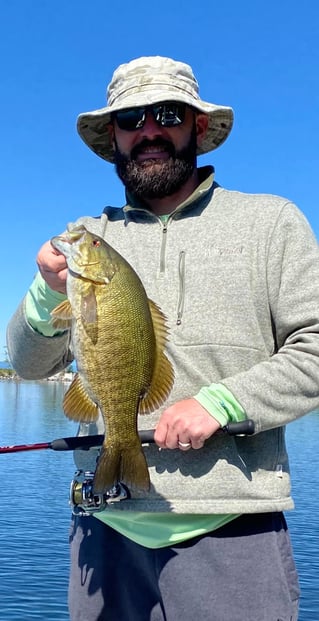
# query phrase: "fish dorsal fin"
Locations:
[[61, 316], [163, 374], [77, 404]]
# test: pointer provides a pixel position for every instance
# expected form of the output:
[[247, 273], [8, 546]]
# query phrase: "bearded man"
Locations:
[[237, 276]]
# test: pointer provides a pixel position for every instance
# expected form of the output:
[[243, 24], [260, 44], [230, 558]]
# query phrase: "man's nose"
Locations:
[[151, 129]]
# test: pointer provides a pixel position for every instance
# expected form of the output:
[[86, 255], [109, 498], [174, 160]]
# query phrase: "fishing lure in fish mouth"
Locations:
[[119, 339]]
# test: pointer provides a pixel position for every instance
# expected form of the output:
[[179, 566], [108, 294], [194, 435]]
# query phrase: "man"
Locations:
[[237, 276]]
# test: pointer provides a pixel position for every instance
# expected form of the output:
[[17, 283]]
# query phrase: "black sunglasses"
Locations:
[[166, 114]]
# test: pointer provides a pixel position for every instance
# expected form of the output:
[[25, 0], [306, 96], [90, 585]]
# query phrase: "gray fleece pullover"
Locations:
[[237, 276]]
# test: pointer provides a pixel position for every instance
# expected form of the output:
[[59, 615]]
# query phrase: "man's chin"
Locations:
[[155, 162]]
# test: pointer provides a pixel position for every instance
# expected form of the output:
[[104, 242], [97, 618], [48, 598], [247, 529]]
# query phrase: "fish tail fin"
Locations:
[[134, 469], [107, 470], [127, 465]]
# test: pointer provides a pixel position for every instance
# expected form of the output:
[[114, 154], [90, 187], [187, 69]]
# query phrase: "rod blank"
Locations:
[[245, 428]]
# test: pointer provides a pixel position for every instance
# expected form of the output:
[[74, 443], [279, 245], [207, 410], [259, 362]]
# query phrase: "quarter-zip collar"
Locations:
[[136, 209], [138, 212]]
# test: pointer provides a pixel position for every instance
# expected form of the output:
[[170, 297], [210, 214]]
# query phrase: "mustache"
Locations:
[[157, 142]]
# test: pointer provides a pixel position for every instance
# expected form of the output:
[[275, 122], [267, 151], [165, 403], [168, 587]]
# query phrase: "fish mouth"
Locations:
[[68, 238], [63, 244], [57, 241]]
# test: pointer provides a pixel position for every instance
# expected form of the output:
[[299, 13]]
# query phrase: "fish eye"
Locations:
[[96, 243]]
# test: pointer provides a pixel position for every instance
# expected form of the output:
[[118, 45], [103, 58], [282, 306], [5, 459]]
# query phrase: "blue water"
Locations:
[[35, 514], [302, 442]]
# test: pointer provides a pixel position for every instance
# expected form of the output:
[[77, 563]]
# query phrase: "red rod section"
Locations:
[[25, 447]]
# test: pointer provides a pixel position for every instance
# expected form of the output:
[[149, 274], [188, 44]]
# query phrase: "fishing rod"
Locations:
[[82, 496], [244, 428]]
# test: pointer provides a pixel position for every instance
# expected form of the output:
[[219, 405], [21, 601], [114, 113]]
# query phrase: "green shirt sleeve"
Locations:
[[221, 404], [39, 302]]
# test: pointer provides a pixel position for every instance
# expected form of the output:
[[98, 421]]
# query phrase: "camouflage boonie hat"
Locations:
[[150, 80]]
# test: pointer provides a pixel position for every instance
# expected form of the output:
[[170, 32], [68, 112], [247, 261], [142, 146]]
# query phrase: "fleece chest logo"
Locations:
[[226, 250]]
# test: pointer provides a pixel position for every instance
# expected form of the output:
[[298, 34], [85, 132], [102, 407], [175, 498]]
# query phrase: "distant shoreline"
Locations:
[[11, 375]]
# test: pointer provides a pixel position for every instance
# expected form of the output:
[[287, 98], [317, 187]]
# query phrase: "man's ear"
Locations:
[[201, 127]]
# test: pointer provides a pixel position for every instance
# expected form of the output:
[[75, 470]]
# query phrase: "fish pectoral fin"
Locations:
[[61, 316], [163, 373], [121, 464], [89, 314], [89, 306], [77, 404]]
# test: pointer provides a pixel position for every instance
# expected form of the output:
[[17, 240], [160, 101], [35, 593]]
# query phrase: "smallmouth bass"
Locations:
[[118, 340]]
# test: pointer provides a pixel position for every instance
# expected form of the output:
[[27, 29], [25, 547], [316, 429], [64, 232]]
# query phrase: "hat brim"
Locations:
[[92, 126]]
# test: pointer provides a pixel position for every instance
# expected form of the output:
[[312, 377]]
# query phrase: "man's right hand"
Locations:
[[52, 267]]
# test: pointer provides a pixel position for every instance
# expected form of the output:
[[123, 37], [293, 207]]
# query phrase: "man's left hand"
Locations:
[[185, 425]]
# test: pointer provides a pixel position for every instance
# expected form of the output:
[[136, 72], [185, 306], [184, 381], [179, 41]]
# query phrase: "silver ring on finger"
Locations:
[[184, 445]]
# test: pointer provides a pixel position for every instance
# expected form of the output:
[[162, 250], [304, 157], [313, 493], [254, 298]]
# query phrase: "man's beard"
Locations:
[[157, 178]]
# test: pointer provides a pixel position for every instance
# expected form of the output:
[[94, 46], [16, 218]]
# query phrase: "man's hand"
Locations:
[[52, 266], [184, 425]]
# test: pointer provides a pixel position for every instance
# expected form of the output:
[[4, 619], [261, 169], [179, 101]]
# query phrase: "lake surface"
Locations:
[[35, 514]]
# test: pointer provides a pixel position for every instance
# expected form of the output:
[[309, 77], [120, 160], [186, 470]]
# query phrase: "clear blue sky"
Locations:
[[261, 58]]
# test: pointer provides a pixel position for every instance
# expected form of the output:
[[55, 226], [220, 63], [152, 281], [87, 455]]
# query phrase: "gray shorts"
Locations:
[[243, 571]]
